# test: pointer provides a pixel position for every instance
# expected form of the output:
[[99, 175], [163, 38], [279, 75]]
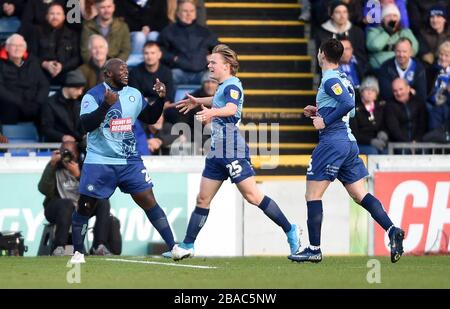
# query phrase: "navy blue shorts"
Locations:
[[331, 160], [101, 180], [222, 168]]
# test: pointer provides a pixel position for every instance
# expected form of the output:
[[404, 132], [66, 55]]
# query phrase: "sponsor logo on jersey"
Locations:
[[234, 94], [337, 89], [121, 125]]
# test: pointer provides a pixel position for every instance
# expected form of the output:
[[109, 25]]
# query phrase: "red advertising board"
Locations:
[[419, 203]]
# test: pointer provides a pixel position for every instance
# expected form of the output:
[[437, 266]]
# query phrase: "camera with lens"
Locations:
[[66, 155]]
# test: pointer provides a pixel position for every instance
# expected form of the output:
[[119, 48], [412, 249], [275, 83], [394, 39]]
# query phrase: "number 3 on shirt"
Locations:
[[234, 168]]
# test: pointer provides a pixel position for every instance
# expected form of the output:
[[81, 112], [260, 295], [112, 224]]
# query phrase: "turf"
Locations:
[[245, 272]]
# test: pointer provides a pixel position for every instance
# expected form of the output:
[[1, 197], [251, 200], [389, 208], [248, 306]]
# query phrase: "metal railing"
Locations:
[[418, 148]]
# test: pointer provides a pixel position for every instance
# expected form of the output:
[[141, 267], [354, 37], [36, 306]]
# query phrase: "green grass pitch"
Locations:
[[243, 272]]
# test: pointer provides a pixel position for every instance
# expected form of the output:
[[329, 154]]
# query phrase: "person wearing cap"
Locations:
[[368, 124], [434, 33], [381, 40], [403, 65], [60, 119], [418, 12], [372, 12], [340, 27]]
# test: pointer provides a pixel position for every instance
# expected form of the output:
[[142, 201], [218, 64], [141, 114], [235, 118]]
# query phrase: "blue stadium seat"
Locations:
[[24, 132], [182, 89]]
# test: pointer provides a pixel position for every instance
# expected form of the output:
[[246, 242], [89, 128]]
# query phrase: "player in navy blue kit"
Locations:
[[229, 155], [336, 156], [108, 113]]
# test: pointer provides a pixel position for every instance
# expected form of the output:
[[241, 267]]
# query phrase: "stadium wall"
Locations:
[[417, 187]]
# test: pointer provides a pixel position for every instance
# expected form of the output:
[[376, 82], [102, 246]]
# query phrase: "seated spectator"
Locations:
[[373, 10], [61, 112], [160, 138], [199, 135], [55, 45], [199, 5], [368, 124], [434, 34], [403, 65], [417, 11], [92, 70], [60, 184], [340, 27], [439, 119], [88, 9], [440, 68], [319, 7], [145, 19], [381, 40], [23, 86], [185, 45], [113, 29], [350, 65], [10, 14], [406, 114], [144, 76], [35, 11]]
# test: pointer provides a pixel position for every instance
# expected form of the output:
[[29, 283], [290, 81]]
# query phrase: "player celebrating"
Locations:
[[229, 155], [108, 113], [336, 156]]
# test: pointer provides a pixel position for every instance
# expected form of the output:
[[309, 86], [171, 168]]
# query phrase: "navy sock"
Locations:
[[79, 229], [274, 212], [159, 220], [196, 222], [376, 210], [315, 214]]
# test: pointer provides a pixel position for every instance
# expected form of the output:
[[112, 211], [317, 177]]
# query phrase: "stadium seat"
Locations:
[[182, 89], [24, 132]]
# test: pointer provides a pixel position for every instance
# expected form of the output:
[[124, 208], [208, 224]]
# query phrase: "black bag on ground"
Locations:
[[12, 244]]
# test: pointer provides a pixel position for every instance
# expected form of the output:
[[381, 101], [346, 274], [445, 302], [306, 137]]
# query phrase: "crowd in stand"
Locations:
[[397, 53], [48, 62]]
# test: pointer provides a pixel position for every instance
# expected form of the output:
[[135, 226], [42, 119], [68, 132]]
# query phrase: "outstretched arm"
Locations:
[[191, 102]]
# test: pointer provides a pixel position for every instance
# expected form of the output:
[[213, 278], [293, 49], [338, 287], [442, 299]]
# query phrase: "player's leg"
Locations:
[[97, 181], [352, 174], [80, 218], [208, 189], [146, 200], [360, 195], [254, 196]]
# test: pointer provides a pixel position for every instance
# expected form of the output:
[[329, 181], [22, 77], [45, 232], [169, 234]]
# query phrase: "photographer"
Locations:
[[60, 185]]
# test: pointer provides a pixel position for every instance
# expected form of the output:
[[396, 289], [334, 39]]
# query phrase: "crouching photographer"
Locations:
[[60, 185]]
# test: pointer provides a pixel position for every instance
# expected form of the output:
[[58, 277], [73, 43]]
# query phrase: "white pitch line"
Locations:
[[160, 263]]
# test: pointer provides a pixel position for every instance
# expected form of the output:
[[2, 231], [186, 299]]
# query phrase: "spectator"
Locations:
[[368, 124], [305, 10], [92, 70], [3, 139], [208, 89], [35, 11], [23, 86], [185, 45], [372, 11], [61, 112], [59, 183], [113, 29], [403, 65], [340, 27], [439, 115], [10, 14], [417, 10], [319, 7], [55, 45], [199, 5], [434, 33], [406, 115], [381, 40], [160, 138], [350, 65], [145, 19], [144, 76], [88, 9]]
